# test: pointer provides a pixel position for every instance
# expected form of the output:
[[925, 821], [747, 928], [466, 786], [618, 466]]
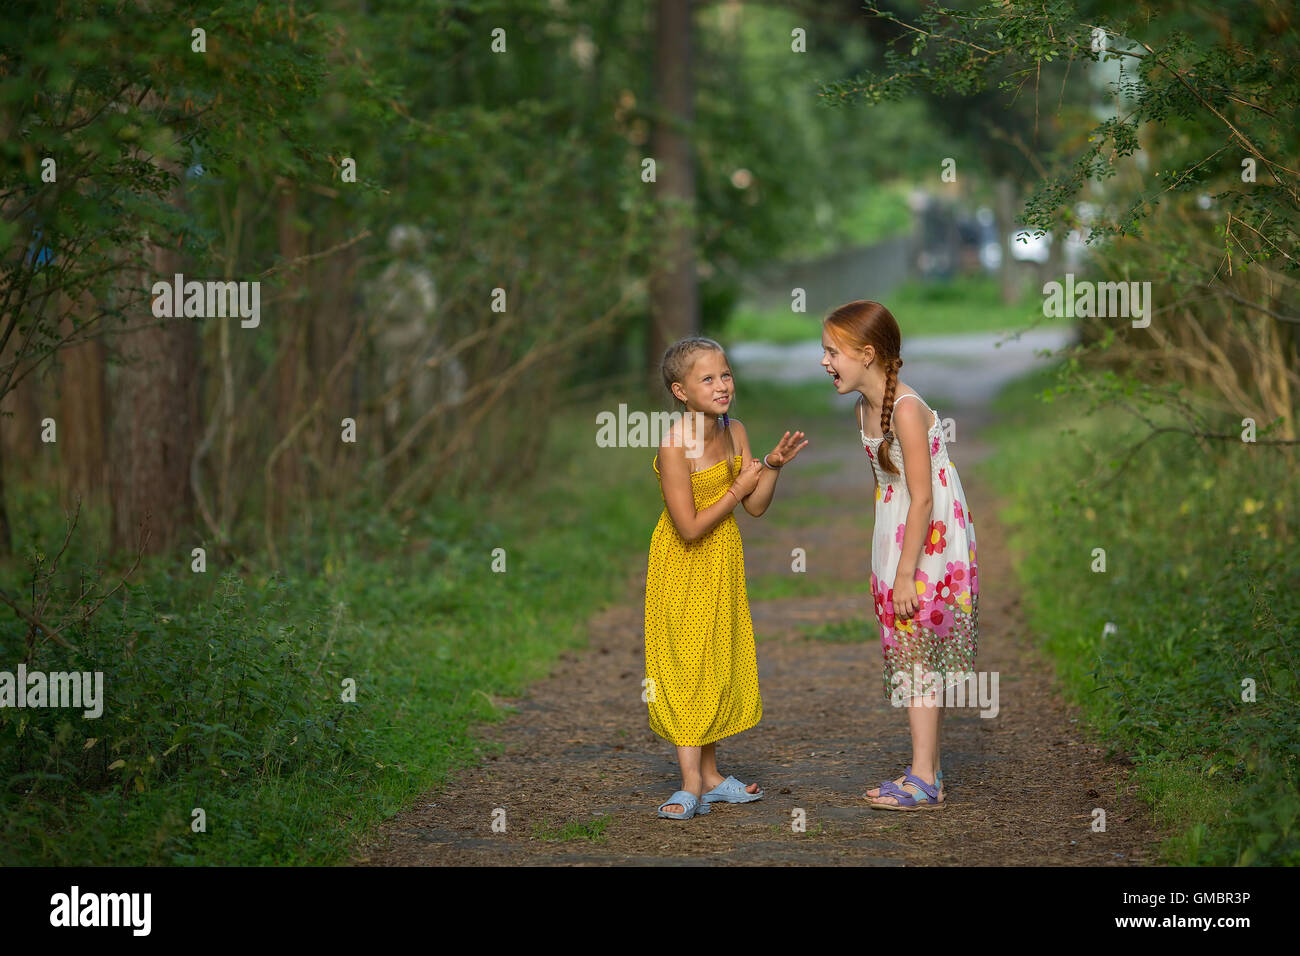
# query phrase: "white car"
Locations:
[[1026, 247]]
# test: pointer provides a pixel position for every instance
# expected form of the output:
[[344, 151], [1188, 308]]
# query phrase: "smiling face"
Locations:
[[843, 364], [708, 386]]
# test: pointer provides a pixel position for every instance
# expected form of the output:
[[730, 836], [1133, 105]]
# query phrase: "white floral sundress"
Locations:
[[942, 636]]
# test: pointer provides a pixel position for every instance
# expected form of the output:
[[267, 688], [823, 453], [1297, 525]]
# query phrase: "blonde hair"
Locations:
[[677, 363], [861, 323]]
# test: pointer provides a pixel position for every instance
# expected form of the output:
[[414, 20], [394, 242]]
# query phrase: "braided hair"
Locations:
[[887, 413], [861, 323], [677, 363]]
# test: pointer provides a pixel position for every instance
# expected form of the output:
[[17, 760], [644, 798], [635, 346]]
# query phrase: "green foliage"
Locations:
[[201, 698], [773, 173], [874, 213], [1199, 586], [522, 169], [1197, 83], [124, 107], [224, 690]]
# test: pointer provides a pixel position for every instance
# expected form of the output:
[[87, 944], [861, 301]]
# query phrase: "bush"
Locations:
[[198, 701], [1200, 585]]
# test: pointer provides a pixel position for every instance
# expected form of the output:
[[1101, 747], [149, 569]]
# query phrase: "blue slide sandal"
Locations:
[[731, 790], [686, 799]]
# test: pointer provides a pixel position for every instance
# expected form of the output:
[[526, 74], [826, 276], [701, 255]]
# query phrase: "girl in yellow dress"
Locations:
[[701, 676]]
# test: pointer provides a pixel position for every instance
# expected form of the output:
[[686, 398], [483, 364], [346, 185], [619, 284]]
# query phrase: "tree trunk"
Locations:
[[674, 293], [20, 423], [155, 417], [1004, 212], [287, 470], [82, 413], [336, 317], [6, 534]]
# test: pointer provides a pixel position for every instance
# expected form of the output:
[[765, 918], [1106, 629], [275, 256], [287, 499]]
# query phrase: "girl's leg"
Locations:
[[689, 760], [923, 715], [875, 791], [709, 766], [709, 770], [937, 743]]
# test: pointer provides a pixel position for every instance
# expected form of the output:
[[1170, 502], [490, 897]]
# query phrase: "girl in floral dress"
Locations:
[[923, 560]]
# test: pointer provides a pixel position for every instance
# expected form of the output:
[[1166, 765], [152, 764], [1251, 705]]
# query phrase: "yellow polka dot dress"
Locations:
[[702, 675]]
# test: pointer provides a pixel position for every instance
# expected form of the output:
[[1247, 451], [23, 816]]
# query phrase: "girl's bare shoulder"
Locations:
[[674, 434], [911, 416]]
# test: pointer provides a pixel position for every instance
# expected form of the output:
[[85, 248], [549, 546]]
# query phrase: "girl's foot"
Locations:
[[874, 792], [911, 788], [676, 807], [711, 784]]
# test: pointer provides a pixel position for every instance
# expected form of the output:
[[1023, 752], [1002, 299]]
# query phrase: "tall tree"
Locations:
[[674, 291], [155, 413], [83, 410]]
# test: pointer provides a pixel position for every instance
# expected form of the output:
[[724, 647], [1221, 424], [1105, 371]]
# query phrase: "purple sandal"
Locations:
[[907, 801], [938, 783]]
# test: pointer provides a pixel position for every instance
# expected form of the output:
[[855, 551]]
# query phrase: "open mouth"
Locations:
[[722, 401], [834, 377]]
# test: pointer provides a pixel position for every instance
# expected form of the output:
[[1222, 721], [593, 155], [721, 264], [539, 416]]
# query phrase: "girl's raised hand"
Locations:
[[786, 449]]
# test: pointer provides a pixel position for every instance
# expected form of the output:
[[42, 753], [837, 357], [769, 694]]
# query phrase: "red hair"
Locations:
[[861, 323]]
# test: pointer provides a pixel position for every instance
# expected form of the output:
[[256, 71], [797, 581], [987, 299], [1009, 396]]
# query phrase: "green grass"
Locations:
[[410, 609], [843, 632], [593, 831], [772, 587], [1201, 585], [970, 304], [799, 510]]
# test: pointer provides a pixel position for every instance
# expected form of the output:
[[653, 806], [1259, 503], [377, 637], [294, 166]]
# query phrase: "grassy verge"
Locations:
[[969, 304], [258, 717], [593, 831], [1183, 651]]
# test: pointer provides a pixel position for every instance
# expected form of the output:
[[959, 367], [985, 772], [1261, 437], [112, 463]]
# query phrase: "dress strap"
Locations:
[[912, 395], [923, 402]]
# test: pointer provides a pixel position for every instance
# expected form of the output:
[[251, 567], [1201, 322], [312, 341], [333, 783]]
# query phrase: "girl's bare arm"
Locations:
[[910, 428], [675, 474], [756, 501]]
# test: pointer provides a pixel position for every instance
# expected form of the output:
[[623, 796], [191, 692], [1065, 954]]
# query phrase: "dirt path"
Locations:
[[1021, 786]]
